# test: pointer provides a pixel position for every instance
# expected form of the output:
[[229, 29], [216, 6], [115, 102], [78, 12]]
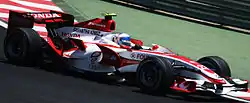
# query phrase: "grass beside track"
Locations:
[[186, 38]]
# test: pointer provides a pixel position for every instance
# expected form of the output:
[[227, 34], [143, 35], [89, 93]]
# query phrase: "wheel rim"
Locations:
[[16, 45], [149, 75]]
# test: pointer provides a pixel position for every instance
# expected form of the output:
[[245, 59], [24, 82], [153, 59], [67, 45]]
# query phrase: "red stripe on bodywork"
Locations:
[[125, 62], [246, 98], [43, 34], [248, 90], [52, 45]]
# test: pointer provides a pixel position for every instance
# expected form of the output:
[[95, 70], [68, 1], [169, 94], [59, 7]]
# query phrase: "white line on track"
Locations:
[[3, 24], [4, 15], [37, 5], [12, 7]]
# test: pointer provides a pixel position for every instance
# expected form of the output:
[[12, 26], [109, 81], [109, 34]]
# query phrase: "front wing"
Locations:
[[228, 90]]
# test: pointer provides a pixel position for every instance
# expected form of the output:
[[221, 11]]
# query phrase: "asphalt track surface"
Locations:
[[19, 84]]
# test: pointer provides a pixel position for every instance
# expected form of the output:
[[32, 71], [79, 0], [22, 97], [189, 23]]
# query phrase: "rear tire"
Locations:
[[155, 75], [217, 64], [23, 46]]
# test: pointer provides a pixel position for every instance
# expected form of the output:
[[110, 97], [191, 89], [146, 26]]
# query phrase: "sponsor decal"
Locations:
[[93, 58], [87, 31], [46, 15], [133, 55], [140, 56], [96, 24], [71, 35]]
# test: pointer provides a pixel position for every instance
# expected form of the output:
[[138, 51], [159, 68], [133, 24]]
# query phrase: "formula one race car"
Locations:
[[155, 69]]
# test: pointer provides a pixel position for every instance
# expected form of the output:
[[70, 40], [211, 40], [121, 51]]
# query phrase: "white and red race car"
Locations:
[[156, 69]]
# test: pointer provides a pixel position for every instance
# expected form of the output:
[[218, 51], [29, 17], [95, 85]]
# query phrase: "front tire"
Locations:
[[22, 46], [155, 75], [217, 64]]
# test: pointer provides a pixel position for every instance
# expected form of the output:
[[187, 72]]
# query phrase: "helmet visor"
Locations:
[[125, 41]]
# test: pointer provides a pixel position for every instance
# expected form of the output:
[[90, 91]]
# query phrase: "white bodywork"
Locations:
[[82, 60]]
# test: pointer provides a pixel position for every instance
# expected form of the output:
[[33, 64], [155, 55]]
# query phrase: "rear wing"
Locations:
[[27, 19]]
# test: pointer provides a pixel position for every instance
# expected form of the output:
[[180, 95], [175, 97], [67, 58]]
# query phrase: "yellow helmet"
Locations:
[[109, 14]]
